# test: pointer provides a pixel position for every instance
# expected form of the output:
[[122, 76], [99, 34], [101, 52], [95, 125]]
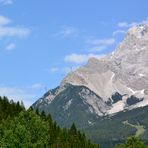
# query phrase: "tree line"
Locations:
[[21, 128]]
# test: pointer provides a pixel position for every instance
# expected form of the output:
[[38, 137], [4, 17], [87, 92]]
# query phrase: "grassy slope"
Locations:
[[140, 128], [110, 130]]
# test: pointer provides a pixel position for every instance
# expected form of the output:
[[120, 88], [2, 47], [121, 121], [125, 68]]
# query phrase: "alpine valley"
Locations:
[[108, 97]]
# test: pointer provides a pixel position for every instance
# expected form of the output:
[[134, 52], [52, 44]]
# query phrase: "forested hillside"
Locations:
[[29, 129], [20, 128]]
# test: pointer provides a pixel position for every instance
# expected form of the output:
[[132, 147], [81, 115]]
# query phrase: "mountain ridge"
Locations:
[[110, 87]]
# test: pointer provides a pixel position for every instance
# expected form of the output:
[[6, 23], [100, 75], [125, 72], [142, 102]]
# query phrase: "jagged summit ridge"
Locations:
[[115, 82], [139, 31], [124, 71]]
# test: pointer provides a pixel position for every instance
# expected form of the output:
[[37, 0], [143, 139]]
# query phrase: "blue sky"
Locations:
[[42, 40]]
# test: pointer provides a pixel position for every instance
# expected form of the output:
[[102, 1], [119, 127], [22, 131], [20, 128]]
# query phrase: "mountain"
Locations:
[[111, 130], [125, 71], [105, 89]]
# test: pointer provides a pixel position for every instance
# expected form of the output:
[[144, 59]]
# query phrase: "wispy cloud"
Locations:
[[80, 58], [28, 94], [6, 30], [67, 31], [17, 94], [4, 20], [10, 47], [67, 69], [131, 24], [37, 86], [62, 70], [20, 32], [53, 69], [108, 41], [6, 2], [97, 48], [100, 44], [118, 32], [126, 24]]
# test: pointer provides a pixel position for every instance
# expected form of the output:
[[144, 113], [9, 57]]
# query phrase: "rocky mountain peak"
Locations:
[[116, 82], [139, 31], [134, 44], [125, 71]]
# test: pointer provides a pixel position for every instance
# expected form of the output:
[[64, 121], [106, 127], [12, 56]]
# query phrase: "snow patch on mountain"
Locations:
[[90, 123], [141, 74], [137, 91]]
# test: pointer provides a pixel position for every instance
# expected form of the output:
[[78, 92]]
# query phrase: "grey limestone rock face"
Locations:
[[124, 71], [132, 58]]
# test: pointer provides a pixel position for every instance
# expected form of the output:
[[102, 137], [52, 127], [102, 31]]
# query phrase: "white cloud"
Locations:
[[37, 86], [27, 94], [118, 32], [10, 46], [66, 69], [53, 69], [69, 69], [59, 69], [67, 31], [10, 31], [108, 41], [123, 24], [4, 20], [100, 44], [98, 48], [17, 94], [13, 31], [63, 70], [6, 2], [128, 25], [80, 58]]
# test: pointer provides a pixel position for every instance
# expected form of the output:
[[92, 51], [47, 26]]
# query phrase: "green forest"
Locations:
[[21, 128]]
